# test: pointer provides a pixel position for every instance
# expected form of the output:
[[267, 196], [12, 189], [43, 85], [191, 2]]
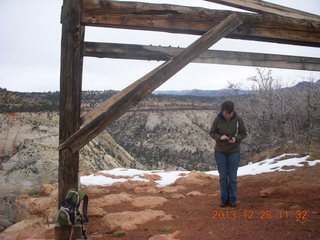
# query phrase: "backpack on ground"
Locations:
[[69, 213]]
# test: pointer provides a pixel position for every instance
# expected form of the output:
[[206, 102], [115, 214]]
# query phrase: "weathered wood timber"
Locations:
[[157, 53], [190, 20], [109, 111], [269, 8], [70, 93]]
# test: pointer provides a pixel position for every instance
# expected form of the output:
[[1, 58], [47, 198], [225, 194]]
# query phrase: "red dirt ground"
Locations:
[[291, 212]]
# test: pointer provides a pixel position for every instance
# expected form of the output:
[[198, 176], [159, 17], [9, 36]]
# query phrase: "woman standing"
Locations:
[[228, 131]]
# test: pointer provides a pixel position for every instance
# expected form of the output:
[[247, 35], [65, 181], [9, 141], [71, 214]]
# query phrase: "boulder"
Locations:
[[50, 214], [176, 196], [151, 177], [47, 189], [182, 174], [111, 199], [130, 185], [204, 175], [31, 228], [147, 189], [194, 194], [129, 220], [196, 178], [149, 201], [96, 212], [172, 189], [96, 191], [190, 180], [165, 236], [26, 206], [54, 194], [266, 192]]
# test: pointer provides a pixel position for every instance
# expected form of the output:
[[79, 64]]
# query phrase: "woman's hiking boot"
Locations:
[[223, 204]]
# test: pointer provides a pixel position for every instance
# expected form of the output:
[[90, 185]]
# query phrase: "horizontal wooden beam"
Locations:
[[191, 20], [158, 53], [269, 8], [106, 113]]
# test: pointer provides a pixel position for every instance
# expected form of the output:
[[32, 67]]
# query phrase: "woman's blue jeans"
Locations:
[[227, 167]]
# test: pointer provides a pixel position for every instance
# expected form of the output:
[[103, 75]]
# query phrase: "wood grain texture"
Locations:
[[109, 111], [70, 93], [158, 53], [269, 8], [191, 20]]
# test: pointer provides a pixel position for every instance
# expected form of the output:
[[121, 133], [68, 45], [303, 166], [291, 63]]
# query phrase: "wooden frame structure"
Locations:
[[274, 23]]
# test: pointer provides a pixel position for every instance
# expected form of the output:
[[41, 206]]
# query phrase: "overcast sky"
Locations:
[[30, 51]]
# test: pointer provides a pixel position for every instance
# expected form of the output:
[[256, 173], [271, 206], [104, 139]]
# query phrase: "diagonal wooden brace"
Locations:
[[105, 114]]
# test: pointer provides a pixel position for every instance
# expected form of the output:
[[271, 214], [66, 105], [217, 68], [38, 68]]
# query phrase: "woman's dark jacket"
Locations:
[[234, 127]]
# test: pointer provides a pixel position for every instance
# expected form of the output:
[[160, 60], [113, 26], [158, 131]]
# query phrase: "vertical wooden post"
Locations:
[[70, 98]]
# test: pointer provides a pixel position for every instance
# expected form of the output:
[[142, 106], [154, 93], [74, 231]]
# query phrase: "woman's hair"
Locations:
[[227, 106]]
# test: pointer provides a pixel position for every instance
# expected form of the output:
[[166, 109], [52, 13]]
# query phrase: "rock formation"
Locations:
[[36, 215], [29, 156]]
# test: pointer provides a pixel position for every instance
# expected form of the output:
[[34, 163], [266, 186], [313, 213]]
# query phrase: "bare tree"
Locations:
[[278, 116]]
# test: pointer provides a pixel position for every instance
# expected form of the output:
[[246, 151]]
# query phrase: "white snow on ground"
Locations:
[[99, 180], [124, 172], [272, 165], [312, 163], [169, 177]]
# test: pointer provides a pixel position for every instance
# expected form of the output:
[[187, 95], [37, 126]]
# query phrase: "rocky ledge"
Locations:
[[122, 207]]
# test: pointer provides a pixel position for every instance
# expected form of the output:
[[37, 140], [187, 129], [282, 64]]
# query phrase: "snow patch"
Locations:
[[100, 180], [312, 163], [169, 177], [125, 172]]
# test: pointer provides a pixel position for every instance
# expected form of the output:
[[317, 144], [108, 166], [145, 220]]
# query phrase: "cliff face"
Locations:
[[29, 159], [172, 140], [167, 132]]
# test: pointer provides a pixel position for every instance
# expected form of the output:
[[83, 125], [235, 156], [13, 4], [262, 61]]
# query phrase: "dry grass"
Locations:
[[165, 228], [119, 233], [313, 151], [265, 155]]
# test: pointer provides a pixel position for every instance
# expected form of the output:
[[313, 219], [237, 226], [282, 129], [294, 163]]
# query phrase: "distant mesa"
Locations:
[[306, 84], [203, 93]]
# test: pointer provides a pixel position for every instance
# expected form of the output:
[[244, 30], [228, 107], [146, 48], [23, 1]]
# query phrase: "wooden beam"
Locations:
[[269, 8], [158, 53], [109, 111], [190, 20], [70, 96]]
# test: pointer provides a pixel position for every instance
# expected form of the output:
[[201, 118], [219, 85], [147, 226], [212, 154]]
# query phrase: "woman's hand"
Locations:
[[224, 138], [232, 140]]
